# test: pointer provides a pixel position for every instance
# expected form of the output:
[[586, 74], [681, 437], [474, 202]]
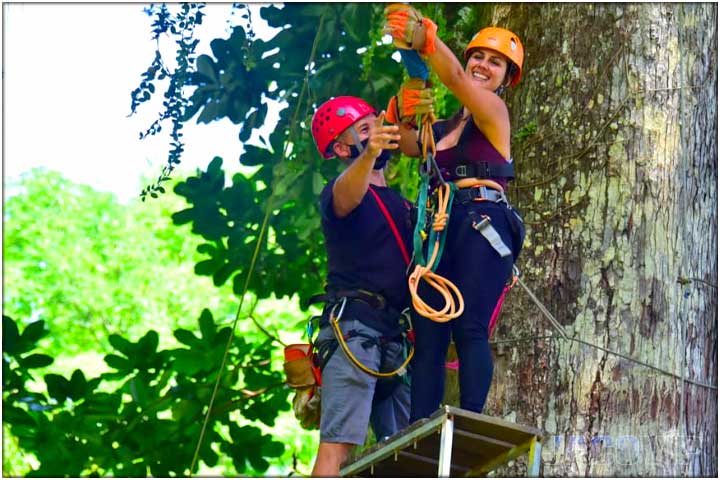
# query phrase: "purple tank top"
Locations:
[[472, 147]]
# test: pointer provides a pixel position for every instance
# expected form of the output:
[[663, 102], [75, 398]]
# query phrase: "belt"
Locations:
[[483, 170], [375, 300], [465, 195]]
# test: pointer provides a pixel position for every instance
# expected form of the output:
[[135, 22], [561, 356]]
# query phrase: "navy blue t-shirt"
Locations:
[[363, 252]]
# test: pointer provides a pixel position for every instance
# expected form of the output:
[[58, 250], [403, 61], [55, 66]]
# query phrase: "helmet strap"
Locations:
[[356, 140]]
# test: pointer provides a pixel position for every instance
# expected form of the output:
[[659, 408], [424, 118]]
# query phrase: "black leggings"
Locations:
[[471, 263]]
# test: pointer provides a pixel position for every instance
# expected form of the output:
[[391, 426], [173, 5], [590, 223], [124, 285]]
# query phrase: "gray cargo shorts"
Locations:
[[347, 392]]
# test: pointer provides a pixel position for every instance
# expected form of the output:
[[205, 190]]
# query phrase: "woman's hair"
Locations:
[[511, 71]]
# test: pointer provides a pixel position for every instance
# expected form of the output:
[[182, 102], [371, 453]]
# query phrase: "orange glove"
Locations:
[[409, 29], [306, 407], [414, 98], [392, 114]]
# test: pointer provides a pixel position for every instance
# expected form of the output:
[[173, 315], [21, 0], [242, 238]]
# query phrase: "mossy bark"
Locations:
[[617, 181]]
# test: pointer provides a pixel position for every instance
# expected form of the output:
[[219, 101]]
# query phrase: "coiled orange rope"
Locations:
[[454, 303]]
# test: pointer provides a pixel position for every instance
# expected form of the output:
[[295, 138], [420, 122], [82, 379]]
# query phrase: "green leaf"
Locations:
[[258, 463], [187, 362], [78, 385], [138, 389], [102, 403], [186, 410], [222, 274], [207, 325], [121, 344], [211, 112], [34, 332], [207, 248], [36, 360], [210, 457], [186, 337], [184, 216], [13, 415], [206, 66], [147, 345], [318, 183], [117, 362], [57, 386], [207, 267], [215, 168], [11, 335], [273, 449], [255, 156]]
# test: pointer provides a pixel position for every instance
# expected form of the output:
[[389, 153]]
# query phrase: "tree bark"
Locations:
[[617, 181]]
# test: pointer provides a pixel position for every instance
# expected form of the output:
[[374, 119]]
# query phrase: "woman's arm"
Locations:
[[408, 141], [488, 110]]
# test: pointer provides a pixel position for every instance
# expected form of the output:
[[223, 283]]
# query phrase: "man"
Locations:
[[368, 233]]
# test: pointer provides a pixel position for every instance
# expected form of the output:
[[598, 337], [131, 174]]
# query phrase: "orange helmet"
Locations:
[[503, 41]]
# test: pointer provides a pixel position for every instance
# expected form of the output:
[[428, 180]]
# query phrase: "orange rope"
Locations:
[[477, 182], [453, 308], [428, 140], [454, 303]]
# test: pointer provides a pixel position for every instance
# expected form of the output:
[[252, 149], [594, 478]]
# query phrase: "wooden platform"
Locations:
[[450, 443]]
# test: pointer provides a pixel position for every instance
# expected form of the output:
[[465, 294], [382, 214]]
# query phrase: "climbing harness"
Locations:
[[405, 325], [304, 362], [446, 193], [480, 192], [403, 331], [471, 184]]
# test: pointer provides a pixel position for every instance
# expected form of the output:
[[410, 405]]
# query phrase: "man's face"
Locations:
[[362, 127]]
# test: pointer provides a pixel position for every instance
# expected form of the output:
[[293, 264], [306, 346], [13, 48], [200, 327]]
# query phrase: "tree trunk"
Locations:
[[617, 181]]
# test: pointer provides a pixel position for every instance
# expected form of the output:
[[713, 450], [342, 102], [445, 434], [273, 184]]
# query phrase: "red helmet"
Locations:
[[334, 117]]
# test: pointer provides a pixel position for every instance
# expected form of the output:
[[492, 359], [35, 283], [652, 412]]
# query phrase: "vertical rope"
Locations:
[[251, 268]]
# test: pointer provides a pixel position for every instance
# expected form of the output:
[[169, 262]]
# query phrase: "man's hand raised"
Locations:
[[382, 137]]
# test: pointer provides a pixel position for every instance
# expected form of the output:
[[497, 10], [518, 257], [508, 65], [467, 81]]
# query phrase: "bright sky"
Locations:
[[68, 73]]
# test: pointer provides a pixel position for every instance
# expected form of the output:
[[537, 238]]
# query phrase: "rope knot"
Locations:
[[440, 221]]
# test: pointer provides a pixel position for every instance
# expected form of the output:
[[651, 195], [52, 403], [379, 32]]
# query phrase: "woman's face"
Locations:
[[486, 68]]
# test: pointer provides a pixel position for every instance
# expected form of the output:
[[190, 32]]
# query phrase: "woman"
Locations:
[[473, 150]]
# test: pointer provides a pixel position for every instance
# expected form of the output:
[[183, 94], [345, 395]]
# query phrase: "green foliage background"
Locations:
[[113, 336], [87, 277]]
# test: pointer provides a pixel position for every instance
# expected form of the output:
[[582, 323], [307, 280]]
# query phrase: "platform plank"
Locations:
[[479, 443]]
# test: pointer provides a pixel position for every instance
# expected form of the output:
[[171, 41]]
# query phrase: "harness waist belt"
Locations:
[[465, 195], [375, 300], [482, 170]]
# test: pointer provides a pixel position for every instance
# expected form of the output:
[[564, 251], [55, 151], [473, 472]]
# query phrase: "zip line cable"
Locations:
[[558, 327]]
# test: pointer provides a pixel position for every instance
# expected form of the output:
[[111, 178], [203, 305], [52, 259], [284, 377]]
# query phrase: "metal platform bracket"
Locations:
[[450, 443]]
